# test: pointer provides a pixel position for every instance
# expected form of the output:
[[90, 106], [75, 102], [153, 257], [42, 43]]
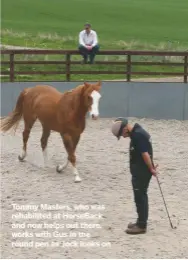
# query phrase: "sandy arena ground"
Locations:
[[103, 163]]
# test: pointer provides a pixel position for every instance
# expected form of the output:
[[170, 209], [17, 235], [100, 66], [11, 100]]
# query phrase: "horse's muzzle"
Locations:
[[94, 117]]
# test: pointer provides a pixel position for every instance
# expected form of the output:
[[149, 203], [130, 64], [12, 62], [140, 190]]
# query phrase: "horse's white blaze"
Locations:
[[95, 106]]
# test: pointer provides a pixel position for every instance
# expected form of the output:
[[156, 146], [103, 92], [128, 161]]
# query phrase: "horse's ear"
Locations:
[[99, 83], [84, 88], [86, 84]]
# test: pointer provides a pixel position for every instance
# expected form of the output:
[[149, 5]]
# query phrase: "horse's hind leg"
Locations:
[[70, 144], [67, 143], [28, 122], [44, 141]]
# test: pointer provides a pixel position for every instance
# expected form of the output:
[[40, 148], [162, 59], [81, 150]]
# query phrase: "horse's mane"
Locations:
[[71, 97], [74, 90], [86, 86]]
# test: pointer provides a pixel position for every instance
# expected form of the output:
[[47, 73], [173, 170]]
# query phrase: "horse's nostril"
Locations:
[[94, 117]]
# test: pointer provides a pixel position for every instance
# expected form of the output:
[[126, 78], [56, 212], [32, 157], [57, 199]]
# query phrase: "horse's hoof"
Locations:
[[20, 158], [59, 168], [77, 179]]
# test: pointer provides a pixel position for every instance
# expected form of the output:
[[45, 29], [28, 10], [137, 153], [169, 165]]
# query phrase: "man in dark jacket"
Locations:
[[141, 168]]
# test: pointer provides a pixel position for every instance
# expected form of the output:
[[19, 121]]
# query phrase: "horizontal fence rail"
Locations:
[[127, 63]]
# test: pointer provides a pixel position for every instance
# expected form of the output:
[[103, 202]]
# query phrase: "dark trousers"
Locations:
[[91, 53], [140, 182]]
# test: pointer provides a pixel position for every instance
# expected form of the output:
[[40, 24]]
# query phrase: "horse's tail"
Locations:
[[12, 120]]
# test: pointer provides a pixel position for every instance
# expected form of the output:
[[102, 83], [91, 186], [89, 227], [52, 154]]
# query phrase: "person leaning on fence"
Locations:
[[141, 168], [88, 43]]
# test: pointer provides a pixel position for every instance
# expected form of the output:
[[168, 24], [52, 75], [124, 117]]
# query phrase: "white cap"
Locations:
[[117, 126]]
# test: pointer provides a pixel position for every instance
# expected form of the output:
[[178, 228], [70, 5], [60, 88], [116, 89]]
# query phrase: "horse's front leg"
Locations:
[[70, 143]]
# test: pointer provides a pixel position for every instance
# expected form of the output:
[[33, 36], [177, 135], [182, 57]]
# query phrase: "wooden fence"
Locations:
[[127, 69]]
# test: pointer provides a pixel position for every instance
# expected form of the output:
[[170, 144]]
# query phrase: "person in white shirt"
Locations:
[[88, 43]]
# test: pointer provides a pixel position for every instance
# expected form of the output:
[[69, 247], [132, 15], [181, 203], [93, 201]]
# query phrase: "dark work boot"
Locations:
[[135, 230], [131, 225]]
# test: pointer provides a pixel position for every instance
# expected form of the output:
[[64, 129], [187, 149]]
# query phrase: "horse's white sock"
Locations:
[[45, 156], [76, 173], [22, 155], [62, 167]]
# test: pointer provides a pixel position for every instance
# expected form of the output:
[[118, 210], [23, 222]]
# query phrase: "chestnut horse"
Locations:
[[64, 113]]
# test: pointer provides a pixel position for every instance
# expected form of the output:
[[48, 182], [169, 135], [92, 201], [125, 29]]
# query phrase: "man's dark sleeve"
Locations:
[[142, 143]]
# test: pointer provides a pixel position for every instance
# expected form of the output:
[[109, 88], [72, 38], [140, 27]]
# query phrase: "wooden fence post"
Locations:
[[12, 67], [128, 67], [185, 69], [68, 67]]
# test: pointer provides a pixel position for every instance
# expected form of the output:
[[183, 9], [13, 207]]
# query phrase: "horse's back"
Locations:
[[45, 89], [42, 93], [42, 100]]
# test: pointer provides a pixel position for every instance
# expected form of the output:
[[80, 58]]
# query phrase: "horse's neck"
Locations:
[[74, 100], [81, 109]]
